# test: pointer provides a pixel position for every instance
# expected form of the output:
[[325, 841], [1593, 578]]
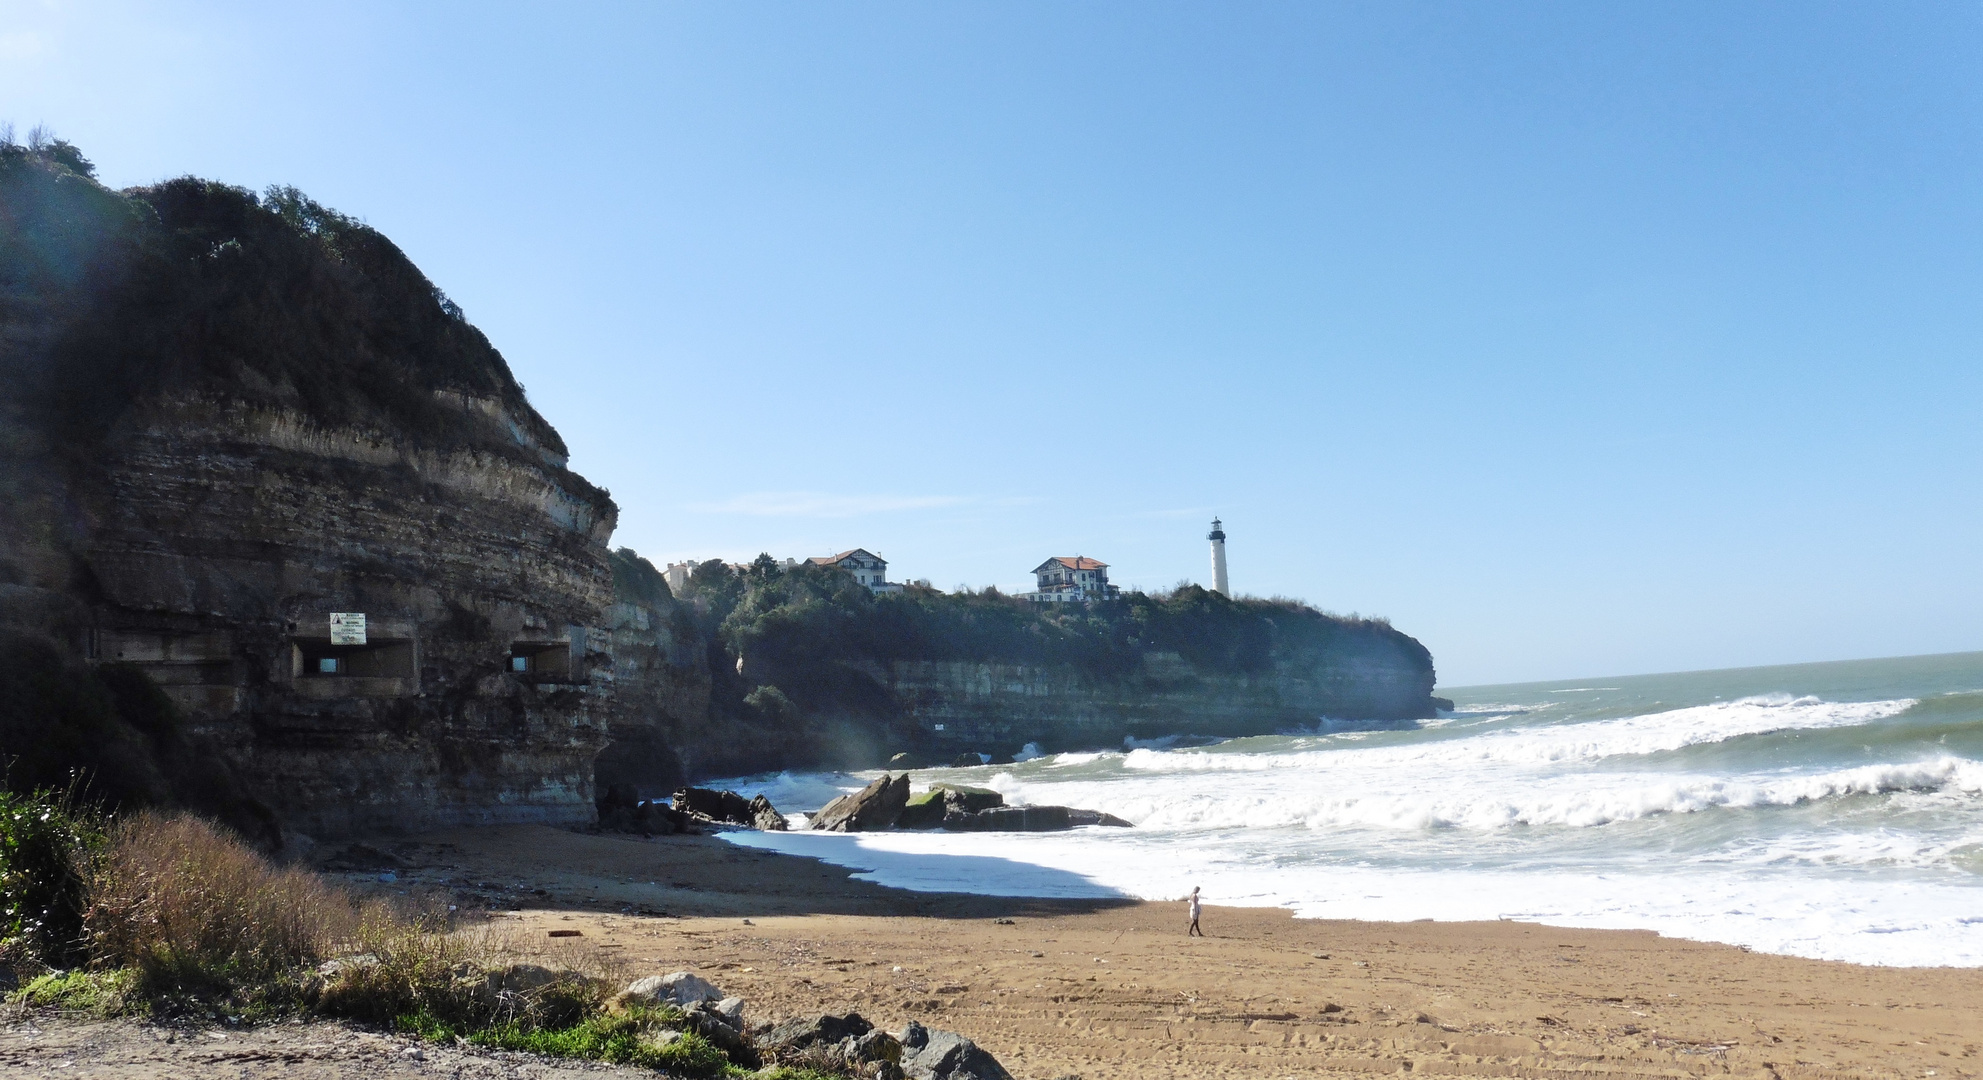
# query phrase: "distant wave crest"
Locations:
[[1582, 804], [1568, 743]]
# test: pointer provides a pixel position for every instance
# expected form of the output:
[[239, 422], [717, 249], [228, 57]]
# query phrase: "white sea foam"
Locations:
[[1524, 813], [1582, 800], [1862, 920], [1557, 744]]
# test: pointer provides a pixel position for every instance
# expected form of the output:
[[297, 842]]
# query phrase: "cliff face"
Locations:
[[235, 417], [222, 541], [865, 676], [956, 707]]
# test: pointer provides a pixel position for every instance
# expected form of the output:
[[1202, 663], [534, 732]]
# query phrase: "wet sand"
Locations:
[[1107, 990]]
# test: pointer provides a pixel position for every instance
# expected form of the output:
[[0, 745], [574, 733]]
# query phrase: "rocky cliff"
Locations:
[[976, 707], [233, 416], [858, 677]]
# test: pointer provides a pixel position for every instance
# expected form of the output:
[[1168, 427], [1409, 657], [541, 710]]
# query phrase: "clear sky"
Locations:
[[1576, 338]]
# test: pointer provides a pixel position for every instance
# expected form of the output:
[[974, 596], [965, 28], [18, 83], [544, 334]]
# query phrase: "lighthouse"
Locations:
[[1218, 539]]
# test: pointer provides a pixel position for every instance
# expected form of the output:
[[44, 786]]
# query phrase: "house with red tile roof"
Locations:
[[867, 568], [1070, 578]]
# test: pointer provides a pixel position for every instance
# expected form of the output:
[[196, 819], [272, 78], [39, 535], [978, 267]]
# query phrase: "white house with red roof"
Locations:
[[1071, 578]]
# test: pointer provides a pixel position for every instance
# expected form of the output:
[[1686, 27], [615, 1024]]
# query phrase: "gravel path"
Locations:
[[52, 1045]]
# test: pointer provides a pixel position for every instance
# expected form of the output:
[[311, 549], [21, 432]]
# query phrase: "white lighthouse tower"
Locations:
[[1218, 539]]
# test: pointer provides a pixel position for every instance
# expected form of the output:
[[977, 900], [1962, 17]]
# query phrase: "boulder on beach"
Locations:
[[929, 809], [722, 1023], [622, 810], [824, 1030], [729, 808], [731, 1009], [876, 806], [835, 1044], [928, 1054], [1011, 819], [681, 989], [765, 817], [969, 799], [1027, 819], [886, 804]]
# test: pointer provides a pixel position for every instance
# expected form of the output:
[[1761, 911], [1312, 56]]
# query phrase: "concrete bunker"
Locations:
[[379, 658], [383, 662], [541, 661]]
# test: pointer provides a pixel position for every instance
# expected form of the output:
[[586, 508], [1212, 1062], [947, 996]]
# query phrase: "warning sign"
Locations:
[[347, 628]]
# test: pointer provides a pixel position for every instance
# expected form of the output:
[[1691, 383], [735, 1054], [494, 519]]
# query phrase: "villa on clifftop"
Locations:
[[868, 568], [1071, 579]]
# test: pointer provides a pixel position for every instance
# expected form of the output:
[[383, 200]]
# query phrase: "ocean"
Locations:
[[1824, 810]]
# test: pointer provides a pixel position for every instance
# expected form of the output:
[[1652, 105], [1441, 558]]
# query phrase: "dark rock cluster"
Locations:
[[729, 808], [887, 804], [846, 1045], [622, 810]]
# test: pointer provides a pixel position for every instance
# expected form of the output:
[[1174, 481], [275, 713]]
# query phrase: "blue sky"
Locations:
[[1578, 339]]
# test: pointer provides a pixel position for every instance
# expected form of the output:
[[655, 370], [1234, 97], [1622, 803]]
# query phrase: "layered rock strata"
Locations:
[[999, 708], [233, 419]]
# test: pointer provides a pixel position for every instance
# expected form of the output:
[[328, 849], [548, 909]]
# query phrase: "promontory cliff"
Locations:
[[233, 416]]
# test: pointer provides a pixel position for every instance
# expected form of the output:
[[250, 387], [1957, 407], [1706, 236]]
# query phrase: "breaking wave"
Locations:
[[1570, 802], [1802, 822]]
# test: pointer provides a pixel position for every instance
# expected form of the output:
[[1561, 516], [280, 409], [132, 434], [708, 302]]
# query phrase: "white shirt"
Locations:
[[1194, 906]]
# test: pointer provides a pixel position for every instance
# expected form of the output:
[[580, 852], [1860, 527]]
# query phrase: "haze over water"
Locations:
[[1824, 810]]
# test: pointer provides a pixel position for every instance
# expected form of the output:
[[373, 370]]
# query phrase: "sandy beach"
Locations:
[[1108, 990], [1095, 989]]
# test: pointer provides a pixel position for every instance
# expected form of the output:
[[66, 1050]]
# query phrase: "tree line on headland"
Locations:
[[813, 638]]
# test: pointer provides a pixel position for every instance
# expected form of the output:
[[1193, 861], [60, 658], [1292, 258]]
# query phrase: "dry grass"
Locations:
[[181, 915], [417, 974], [189, 907]]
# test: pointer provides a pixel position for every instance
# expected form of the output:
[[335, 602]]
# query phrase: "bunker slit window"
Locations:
[[541, 661], [380, 658]]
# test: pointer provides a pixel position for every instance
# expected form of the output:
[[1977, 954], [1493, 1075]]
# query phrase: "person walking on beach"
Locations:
[[1193, 931]]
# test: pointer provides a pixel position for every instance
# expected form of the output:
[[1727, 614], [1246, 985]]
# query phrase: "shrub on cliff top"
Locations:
[[193, 289]]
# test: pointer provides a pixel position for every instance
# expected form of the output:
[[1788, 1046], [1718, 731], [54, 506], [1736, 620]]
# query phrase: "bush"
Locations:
[[625, 1039], [191, 908], [46, 841], [447, 986], [174, 907], [106, 992], [420, 980]]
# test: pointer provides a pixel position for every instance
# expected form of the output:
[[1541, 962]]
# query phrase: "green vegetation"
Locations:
[[808, 615], [46, 843], [814, 641], [633, 1037], [171, 914], [206, 292], [106, 993]]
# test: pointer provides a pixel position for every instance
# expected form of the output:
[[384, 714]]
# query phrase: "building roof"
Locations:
[[836, 560], [1071, 562]]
